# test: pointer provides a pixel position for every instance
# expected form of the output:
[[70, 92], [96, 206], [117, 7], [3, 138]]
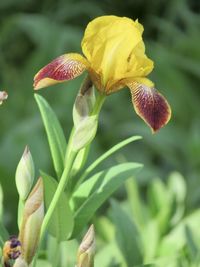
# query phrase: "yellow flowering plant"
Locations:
[[62, 206], [114, 58]]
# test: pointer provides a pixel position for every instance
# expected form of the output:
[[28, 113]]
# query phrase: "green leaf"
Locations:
[[61, 223], [109, 256], [176, 239], [55, 135], [1, 202], [93, 192], [177, 187], [150, 232], [43, 263], [160, 201], [127, 235], [3, 233], [136, 203], [147, 265], [191, 243], [107, 154]]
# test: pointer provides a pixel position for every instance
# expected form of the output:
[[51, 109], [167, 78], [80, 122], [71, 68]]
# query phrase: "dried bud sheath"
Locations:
[[85, 257], [32, 220]]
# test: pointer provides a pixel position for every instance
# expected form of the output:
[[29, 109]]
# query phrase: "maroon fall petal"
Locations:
[[63, 68], [150, 105]]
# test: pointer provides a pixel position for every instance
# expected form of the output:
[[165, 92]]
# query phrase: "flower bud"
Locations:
[[25, 172], [32, 221], [3, 96], [84, 102], [85, 257], [20, 263], [85, 132]]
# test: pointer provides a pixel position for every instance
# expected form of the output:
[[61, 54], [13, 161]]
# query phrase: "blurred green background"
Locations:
[[33, 32]]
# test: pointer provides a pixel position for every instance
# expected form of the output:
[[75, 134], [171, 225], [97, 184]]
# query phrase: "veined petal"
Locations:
[[150, 105], [63, 68]]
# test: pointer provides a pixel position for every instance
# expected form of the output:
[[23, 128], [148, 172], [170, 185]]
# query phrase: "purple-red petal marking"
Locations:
[[150, 105], [63, 68]]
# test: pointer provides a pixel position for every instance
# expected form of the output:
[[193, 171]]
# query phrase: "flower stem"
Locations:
[[69, 160], [60, 189], [98, 104]]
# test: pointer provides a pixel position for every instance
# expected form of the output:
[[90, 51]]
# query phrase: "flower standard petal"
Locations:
[[108, 43], [150, 105], [63, 68]]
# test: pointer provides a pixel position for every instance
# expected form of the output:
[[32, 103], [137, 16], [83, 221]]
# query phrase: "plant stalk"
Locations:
[[60, 189]]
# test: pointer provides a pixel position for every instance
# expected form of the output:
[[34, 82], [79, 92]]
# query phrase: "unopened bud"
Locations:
[[24, 176], [84, 102], [32, 221], [20, 262], [85, 257], [85, 132], [3, 96]]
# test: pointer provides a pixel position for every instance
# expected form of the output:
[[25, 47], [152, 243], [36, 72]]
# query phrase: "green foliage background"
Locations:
[[34, 32]]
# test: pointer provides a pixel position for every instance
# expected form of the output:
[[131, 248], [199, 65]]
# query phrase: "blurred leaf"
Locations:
[[61, 223], [177, 187], [147, 265], [93, 192], [105, 228], [68, 252], [52, 250], [150, 233], [56, 138], [127, 236], [4, 235], [1, 202], [43, 263], [191, 245], [135, 202], [109, 256], [175, 240], [160, 202]]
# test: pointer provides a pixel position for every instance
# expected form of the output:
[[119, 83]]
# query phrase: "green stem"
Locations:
[[96, 110], [69, 160], [98, 104], [68, 151], [97, 107], [60, 189]]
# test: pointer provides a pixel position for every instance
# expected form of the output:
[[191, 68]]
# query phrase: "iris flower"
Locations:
[[114, 57]]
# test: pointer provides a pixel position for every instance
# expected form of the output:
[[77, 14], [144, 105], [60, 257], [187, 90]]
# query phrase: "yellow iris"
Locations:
[[115, 50], [114, 58]]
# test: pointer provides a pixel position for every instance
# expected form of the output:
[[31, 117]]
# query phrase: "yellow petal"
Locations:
[[139, 64], [143, 81], [63, 68], [139, 26], [108, 43], [150, 105]]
